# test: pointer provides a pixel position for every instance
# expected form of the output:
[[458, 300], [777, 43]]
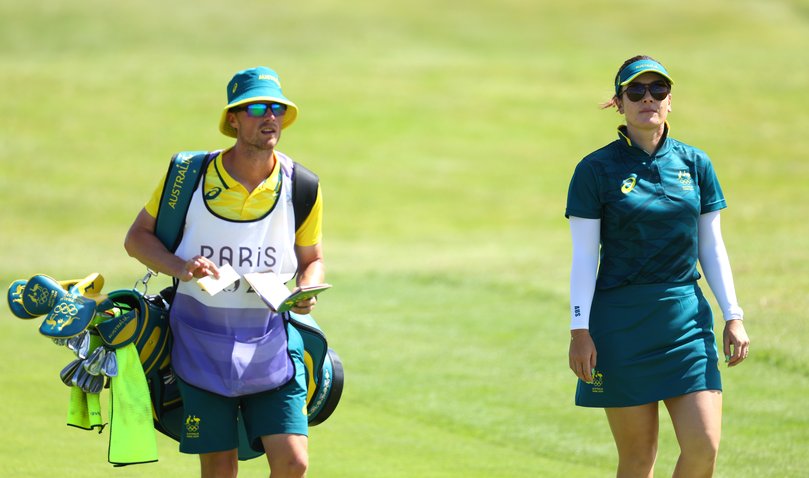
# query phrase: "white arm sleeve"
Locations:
[[713, 258], [586, 234]]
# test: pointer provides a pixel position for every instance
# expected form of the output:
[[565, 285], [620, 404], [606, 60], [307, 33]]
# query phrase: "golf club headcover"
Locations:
[[14, 296], [41, 294], [72, 314], [89, 286]]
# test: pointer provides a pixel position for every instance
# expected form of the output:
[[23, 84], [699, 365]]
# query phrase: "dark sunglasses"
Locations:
[[636, 91], [259, 110]]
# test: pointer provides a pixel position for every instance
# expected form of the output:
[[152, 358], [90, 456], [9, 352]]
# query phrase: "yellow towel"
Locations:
[[132, 434]]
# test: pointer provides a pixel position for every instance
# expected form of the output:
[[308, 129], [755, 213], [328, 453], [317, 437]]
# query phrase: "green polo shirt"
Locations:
[[649, 206]]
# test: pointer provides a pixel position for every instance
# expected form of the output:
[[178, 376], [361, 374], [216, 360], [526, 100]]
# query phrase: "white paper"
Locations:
[[227, 276]]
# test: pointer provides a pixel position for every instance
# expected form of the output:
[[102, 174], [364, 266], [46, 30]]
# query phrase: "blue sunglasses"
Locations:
[[259, 110]]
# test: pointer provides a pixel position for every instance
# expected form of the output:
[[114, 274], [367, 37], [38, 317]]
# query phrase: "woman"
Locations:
[[641, 329]]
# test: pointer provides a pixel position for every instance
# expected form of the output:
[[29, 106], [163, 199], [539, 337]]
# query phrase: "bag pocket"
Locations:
[[222, 364]]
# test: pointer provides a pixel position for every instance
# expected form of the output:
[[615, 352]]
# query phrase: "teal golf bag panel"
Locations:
[[324, 369]]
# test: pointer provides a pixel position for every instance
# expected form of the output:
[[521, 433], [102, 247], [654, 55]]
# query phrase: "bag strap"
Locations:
[[185, 171], [304, 192]]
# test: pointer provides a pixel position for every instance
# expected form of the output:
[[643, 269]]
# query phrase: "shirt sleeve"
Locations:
[[310, 232], [154, 201], [583, 199], [710, 192]]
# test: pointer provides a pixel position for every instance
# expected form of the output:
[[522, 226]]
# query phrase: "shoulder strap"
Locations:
[[185, 170], [304, 192]]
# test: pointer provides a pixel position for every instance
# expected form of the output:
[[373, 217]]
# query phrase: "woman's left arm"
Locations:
[[713, 257]]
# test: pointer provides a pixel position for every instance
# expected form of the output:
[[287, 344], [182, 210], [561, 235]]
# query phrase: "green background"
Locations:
[[445, 133]]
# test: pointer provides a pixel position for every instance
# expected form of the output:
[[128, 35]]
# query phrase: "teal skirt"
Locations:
[[653, 342]]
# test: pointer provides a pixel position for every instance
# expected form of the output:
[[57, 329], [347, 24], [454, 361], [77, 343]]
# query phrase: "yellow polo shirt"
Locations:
[[229, 199]]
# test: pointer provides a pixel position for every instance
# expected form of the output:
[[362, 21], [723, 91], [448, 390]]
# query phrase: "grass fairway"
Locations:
[[445, 133]]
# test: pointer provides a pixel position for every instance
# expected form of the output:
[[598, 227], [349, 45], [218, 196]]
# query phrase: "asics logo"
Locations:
[[629, 183], [213, 193]]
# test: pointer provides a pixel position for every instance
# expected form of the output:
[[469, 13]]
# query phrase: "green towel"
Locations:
[[132, 434], [85, 410]]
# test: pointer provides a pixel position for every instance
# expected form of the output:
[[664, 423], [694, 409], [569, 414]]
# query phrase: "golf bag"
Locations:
[[129, 317]]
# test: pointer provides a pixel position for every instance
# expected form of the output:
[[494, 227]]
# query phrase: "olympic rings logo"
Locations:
[[65, 308]]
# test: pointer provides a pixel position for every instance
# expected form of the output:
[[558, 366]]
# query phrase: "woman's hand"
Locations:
[[735, 341], [582, 354]]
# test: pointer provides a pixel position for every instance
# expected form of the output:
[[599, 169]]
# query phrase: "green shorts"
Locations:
[[212, 420]]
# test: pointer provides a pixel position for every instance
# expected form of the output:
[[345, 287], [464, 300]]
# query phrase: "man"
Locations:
[[231, 352]]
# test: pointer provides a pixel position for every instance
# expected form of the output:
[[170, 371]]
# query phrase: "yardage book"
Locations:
[[276, 295]]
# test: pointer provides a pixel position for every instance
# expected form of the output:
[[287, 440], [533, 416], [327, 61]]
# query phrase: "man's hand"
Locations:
[[197, 268], [305, 307]]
